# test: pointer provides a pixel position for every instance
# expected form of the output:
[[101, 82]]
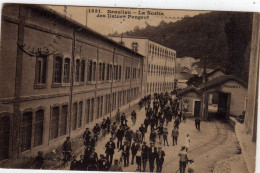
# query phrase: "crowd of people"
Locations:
[[132, 143]]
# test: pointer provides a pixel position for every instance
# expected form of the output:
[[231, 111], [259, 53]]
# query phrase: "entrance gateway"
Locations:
[[231, 93]]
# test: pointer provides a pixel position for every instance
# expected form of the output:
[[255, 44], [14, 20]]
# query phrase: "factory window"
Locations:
[[101, 106], [111, 72], [66, 71], [108, 71], [57, 69], [98, 104], [92, 109], [38, 127], [41, 70], [26, 129], [103, 71], [55, 122], [74, 116], [4, 137], [80, 114], [77, 70], [82, 71], [87, 111], [64, 115], [119, 73], [100, 72], [94, 71], [90, 63]]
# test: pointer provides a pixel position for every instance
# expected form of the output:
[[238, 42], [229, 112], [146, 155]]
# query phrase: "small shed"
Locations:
[[190, 101]]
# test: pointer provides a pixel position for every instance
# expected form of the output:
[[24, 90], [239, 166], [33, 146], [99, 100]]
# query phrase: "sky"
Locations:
[[108, 20]]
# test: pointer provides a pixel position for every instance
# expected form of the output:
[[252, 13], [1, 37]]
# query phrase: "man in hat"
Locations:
[[86, 136], [183, 159], [118, 116], [159, 159], [96, 130], [67, 149], [87, 152], [152, 156], [145, 155], [103, 164], [39, 161], [110, 148], [125, 153], [120, 135], [108, 123], [142, 130], [129, 135], [197, 123], [116, 167], [175, 135], [74, 163], [134, 149], [152, 136], [82, 164]]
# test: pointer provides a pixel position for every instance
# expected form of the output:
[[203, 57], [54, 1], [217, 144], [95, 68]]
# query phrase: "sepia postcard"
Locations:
[[128, 89]]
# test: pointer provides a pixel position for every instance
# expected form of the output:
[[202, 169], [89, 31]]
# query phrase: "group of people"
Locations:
[[132, 143]]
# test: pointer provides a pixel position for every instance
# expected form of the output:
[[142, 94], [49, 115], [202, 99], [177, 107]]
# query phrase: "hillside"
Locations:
[[222, 37]]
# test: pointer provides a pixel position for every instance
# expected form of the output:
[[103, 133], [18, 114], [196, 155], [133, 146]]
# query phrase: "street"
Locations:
[[216, 141]]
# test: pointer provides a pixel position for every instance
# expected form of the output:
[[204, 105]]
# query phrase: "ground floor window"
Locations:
[[4, 137], [38, 127], [26, 131]]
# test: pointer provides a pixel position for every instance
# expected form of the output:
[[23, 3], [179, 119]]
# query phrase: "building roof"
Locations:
[[188, 89], [46, 9], [220, 80], [215, 70]]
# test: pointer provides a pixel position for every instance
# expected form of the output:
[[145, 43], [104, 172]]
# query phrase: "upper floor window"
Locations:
[[77, 70], [57, 70], [82, 69], [66, 72], [41, 70], [90, 71]]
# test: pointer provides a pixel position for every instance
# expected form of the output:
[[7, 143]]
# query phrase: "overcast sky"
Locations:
[[106, 25]]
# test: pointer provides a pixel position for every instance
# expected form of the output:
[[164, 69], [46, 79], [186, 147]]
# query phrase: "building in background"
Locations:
[[57, 78], [159, 65]]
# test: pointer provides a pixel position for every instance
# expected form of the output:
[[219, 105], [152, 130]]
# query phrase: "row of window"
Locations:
[[160, 87], [160, 70], [62, 67], [160, 52], [33, 122]]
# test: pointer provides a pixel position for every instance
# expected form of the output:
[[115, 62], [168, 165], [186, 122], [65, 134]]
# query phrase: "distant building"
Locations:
[[159, 66]]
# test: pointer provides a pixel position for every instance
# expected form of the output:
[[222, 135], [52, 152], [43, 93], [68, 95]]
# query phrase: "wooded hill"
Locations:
[[222, 37]]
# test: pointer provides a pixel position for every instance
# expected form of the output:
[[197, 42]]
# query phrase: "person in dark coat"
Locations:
[[146, 123], [177, 122], [197, 123], [82, 164], [129, 135], [39, 161], [159, 159], [125, 153], [86, 136], [110, 150], [145, 155], [92, 162], [74, 163], [103, 164], [119, 135], [134, 149], [87, 152], [160, 130], [142, 130], [152, 156], [108, 123], [152, 123], [133, 117], [165, 136], [153, 136], [67, 149]]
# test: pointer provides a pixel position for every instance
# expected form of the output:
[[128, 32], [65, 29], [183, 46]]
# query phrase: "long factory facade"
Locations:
[[57, 78]]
